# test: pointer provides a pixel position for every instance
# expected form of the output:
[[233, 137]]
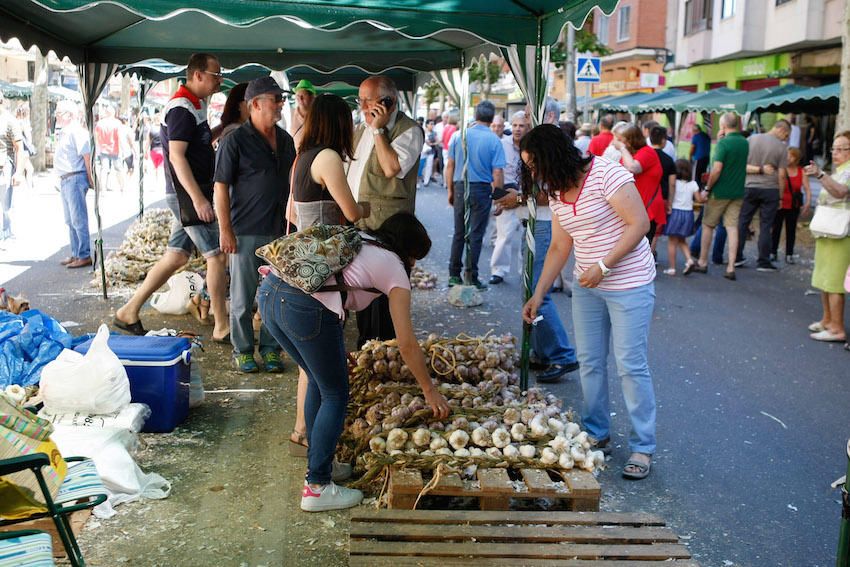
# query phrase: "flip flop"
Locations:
[[132, 328], [298, 448], [816, 327], [642, 470], [225, 340], [827, 336]]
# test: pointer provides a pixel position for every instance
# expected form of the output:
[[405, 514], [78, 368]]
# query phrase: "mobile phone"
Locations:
[[499, 192], [386, 102]]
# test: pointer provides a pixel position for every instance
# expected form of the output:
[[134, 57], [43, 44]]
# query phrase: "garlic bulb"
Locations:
[[396, 439], [555, 425], [572, 429], [459, 438], [494, 452], [598, 458], [527, 415], [582, 440], [587, 464], [560, 444], [511, 416], [378, 444], [577, 453], [437, 443], [565, 461], [548, 456], [511, 452], [538, 426], [444, 451], [421, 437], [481, 437], [427, 453], [395, 452], [462, 452], [527, 451], [475, 452], [501, 438], [518, 431]]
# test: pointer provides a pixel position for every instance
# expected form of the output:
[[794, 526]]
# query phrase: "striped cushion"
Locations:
[[27, 551], [81, 482]]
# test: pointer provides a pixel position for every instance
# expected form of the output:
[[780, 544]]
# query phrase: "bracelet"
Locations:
[[820, 175], [519, 198]]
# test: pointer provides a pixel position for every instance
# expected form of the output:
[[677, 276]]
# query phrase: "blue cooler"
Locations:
[[158, 369]]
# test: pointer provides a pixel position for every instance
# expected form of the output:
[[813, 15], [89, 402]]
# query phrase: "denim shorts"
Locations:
[[184, 238]]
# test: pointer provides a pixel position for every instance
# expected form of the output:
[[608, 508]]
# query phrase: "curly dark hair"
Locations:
[[404, 235], [328, 123], [557, 164]]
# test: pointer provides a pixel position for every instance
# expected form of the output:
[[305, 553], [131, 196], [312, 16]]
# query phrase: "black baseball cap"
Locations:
[[261, 86]]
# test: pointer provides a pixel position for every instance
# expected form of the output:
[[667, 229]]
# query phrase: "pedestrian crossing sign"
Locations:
[[588, 70]]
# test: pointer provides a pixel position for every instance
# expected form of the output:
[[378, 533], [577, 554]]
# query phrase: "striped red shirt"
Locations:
[[595, 228]]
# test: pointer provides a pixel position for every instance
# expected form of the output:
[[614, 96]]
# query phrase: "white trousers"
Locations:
[[506, 250]]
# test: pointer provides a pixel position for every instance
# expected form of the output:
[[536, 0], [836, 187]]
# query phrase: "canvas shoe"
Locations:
[[329, 497], [245, 363], [272, 363]]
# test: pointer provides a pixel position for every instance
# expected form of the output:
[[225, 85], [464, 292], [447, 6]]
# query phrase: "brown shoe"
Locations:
[[80, 263], [67, 260]]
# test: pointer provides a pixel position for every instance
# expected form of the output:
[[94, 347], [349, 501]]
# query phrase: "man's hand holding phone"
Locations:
[[381, 112]]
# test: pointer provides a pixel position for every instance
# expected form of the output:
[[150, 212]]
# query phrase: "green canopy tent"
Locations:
[[818, 101], [724, 100], [11, 90], [442, 34]]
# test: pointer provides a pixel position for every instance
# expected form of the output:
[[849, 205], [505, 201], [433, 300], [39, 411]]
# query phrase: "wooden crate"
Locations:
[[77, 520], [449, 538], [500, 489]]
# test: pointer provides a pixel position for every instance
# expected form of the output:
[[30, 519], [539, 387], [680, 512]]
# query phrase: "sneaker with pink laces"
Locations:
[[329, 497]]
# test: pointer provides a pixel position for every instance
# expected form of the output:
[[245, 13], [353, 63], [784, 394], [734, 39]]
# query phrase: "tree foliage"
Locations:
[[586, 42], [431, 93], [485, 73]]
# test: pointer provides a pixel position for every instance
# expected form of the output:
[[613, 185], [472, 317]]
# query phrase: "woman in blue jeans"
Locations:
[[598, 214], [309, 327]]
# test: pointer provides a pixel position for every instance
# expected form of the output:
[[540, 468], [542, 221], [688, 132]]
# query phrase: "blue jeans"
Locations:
[[719, 241], [312, 336], [480, 201], [549, 339], [73, 190], [599, 316]]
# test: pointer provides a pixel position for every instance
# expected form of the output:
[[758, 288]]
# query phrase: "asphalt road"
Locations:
[[752, 414]]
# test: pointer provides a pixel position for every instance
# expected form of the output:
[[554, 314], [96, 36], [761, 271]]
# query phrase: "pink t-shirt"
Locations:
[[596, 228], [374, 267]]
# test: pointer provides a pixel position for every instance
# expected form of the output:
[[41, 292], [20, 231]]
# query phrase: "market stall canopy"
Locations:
[[54, 92], [630, 102], [10, 90], [818, 100], [639, 104], [726, 100]]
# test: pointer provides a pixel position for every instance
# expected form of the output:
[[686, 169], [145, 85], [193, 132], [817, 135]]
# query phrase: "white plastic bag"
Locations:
[[110, 451], [132, 417], [93, 383], [181, 288]]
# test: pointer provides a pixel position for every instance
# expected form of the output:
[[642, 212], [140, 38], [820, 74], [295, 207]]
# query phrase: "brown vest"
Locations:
[[386, 196]]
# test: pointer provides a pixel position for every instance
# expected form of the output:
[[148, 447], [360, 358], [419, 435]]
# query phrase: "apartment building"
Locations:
[[635, 32], [752, 44]]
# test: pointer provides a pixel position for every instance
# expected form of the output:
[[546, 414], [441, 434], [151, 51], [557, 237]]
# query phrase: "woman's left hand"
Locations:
[[811, 169], [439, 406], [591, 276]]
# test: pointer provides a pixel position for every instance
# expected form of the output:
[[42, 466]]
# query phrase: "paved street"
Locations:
[[752, 414]]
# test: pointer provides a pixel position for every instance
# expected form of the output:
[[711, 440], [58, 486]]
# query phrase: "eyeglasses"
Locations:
[[276, 97], [216, 75], [843, 149]]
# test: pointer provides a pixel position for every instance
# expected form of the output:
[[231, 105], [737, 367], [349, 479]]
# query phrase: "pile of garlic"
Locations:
[[420, 279], [493, 424]]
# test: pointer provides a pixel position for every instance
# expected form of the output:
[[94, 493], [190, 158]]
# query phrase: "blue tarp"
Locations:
[[27, 342]]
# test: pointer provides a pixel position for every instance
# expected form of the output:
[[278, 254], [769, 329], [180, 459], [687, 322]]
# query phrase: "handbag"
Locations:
[[830, 222]]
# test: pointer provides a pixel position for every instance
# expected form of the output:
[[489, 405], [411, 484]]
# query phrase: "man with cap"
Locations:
[[189, 162], [251, 190], [11, 164], [72, 161], [305, 92], [387, 144]]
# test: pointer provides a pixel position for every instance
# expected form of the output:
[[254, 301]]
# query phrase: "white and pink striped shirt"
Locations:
[[595, 228]]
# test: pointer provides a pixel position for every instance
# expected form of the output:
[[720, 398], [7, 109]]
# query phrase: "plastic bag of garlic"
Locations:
[[493, 424], [420, 279]]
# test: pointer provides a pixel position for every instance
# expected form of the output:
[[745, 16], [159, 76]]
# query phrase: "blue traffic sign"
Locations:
[[588, 70]]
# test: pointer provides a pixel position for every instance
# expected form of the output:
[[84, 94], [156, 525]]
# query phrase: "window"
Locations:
[[728, 8], [697, 16], [602, 33], [624, 17], [780, 2]]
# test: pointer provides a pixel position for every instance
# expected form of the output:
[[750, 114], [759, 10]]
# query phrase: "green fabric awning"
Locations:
[[10, 90], [818, 100], [727, 100], [371, 34], [642, 105]]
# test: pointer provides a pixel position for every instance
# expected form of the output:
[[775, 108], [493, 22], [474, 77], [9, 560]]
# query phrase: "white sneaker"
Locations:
[[329, 497]]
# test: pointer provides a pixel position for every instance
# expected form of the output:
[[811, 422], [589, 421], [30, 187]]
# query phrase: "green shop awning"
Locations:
[[644, 104], [10, 90], [819, 100], [722, 100]]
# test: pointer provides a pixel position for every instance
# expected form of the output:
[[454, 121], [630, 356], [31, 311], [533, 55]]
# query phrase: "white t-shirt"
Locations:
[[595, 228], [408, 146], [794, 137], [683, 200]]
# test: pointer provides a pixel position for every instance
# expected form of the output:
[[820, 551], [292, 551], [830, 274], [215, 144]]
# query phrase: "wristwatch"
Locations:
[[376, 131], [819, 175], [605, 269]]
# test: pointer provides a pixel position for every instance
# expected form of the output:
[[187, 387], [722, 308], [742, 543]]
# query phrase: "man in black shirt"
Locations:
[[251, 190]]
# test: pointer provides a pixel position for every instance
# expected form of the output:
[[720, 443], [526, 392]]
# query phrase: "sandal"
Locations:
[[642, 469], [297, 444], [132, 328], [670, 272], [816, 327]]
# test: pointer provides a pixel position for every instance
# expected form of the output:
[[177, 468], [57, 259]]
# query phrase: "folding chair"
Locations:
[[26, 548], [82, 488]]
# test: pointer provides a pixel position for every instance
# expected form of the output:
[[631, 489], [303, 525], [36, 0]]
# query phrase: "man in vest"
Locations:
[[383, 173]]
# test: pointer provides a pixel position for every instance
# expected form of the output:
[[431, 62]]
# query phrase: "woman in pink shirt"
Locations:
[[309, 328], [598, 214]]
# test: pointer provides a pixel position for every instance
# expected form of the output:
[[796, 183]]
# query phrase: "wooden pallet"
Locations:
[[500, 489], [449, 538], [77, 520]]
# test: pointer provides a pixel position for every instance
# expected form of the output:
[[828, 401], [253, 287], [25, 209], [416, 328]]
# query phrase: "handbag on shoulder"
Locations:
[[830, 222]]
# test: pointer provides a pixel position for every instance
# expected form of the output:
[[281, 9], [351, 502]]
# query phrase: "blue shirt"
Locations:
[[485, 154], [702, 145], [71, 146]]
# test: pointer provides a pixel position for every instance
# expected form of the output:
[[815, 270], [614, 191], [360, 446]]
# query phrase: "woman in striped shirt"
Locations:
[[600, 216]]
